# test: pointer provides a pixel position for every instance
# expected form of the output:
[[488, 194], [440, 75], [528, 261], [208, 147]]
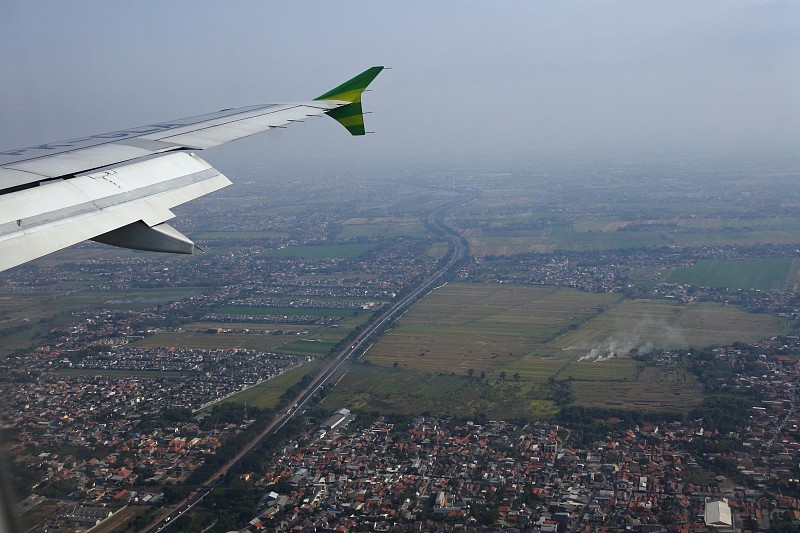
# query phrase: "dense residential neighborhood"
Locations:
[[433, 473], [117, 410]]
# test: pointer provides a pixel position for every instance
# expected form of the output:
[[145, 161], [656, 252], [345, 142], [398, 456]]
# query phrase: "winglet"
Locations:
[[351, 115]]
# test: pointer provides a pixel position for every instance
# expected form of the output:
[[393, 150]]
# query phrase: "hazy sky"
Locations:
[[515, 77]]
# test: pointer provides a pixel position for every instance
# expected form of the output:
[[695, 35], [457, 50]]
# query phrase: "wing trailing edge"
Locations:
[[118, 188]]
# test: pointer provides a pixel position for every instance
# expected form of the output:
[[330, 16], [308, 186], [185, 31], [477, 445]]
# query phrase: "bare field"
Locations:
[[656, 389], [668, 325], [463, 326]]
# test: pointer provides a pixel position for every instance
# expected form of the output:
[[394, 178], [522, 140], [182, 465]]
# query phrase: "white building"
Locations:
[[718, 514]]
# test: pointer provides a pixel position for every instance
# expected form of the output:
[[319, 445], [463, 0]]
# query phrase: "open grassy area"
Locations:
[[397, 390], [759, 273], [268, 394]]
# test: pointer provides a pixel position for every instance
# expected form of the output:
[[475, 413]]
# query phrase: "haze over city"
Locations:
[[516, 78], [557, 290]]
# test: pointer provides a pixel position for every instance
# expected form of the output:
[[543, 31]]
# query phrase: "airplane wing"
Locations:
[[118, 188]]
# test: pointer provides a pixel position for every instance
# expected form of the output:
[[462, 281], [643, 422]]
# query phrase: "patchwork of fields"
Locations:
[[455, 335], [483, 327]]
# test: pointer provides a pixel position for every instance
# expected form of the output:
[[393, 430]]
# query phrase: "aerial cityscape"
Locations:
[[577, 360], [528, 267]]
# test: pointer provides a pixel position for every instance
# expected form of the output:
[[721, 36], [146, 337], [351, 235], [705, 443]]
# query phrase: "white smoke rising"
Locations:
[[614, 347]]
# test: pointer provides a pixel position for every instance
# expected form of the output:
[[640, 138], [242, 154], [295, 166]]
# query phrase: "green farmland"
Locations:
[[765, 274], [475, 340]]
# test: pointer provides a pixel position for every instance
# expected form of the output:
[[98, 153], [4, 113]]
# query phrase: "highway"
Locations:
[[457, 251]]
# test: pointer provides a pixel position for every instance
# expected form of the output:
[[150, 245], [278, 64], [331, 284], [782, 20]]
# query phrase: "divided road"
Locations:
[[457, 251]]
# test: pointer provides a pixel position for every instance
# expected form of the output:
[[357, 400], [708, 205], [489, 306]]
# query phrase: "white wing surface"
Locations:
[[118, 188]]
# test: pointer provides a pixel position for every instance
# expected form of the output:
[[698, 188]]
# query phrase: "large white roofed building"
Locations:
[[718, 515]]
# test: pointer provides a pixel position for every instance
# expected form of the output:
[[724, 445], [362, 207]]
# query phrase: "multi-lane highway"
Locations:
[[457, 250]]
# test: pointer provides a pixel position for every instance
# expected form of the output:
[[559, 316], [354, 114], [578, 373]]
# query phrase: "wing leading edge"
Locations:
[[118, 188]]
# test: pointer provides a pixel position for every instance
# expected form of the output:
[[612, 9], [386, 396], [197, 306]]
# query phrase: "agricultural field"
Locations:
[[580, 206], [462, 326], [664, 324], [382, 227], [758, 273], [559, 238], [655, 389], [449, 345]]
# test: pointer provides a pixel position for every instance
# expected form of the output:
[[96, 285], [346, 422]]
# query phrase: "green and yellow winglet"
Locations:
[[351, 116]]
